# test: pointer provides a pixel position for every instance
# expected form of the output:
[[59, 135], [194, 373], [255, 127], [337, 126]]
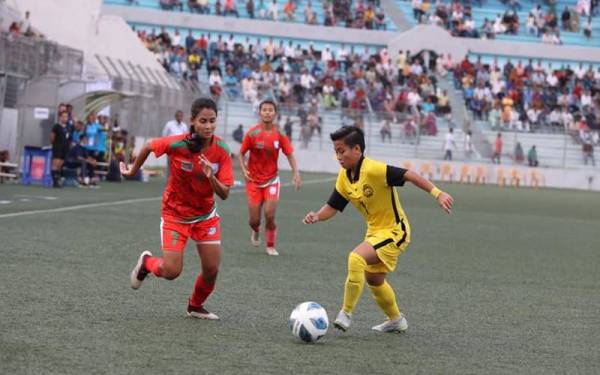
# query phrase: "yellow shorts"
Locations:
[[388, 244]]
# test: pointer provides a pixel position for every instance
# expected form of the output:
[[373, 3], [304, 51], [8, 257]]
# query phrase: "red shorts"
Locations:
[[174, 235], [257, 194]]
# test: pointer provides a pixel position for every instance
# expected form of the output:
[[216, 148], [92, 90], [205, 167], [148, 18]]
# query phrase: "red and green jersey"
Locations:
[[264, 149], [189, 196]]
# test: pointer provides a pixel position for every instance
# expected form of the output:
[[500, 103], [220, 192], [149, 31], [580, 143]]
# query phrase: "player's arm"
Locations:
[[295, 172], [444, 200], [139, 161], [219, 188], [336, 203], [241, 157]]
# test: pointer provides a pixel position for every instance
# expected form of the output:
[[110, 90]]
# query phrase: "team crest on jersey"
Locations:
[[215, 167], [187, 166], [276, 145], [367, 190]]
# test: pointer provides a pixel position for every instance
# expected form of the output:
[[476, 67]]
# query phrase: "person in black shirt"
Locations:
[[60, 146]]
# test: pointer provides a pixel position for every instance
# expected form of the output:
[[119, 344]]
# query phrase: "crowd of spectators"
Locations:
[[86, 151], [305, 80], [543, 22], [359, 14]]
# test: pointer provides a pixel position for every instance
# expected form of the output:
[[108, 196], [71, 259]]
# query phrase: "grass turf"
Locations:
[[507, 284]]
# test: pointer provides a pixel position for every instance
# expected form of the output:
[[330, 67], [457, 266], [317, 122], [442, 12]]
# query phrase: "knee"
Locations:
[[170, 272], [356, 263], [210, 274], [254, 222], [270, 219]]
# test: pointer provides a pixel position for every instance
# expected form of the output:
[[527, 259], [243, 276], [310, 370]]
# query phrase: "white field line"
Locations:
[[129, 201]]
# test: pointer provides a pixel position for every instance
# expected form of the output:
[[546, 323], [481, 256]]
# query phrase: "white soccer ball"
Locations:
[[309, 321]]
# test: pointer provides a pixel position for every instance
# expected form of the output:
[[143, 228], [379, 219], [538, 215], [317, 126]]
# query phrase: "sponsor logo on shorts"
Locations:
[[212, 231], [273, 190]]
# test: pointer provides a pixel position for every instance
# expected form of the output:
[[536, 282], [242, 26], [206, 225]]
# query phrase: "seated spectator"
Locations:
[[230, 8], [78, 158], [238, 134], [386, 132]]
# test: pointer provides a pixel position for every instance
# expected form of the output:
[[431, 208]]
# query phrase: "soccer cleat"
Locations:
[[392, 326], [200, 313], [255, 239], [139, 272], [271, 251], [343, 320]]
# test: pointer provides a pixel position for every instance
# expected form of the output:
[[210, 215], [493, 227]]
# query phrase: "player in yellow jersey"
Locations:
[[369, 185]]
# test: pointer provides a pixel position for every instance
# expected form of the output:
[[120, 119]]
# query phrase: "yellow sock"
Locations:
[[386, 299], [355, 281]]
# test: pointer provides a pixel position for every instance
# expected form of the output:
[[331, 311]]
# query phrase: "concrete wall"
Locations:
[[8, 130], [80, 25], [581, 179]]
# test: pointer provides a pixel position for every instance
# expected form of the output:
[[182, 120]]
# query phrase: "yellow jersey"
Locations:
[[372, 192]]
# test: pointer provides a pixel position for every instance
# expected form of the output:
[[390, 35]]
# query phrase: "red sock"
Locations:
[[201, 292], [153, 265], [271, 236]]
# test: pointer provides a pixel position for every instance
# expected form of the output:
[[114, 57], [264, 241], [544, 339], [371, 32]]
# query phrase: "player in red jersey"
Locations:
[[264, 141], [200, 166]]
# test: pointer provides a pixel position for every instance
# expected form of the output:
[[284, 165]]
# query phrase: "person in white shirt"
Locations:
[[586, 99], [449, 144], [176, 41], [579, 71], [176, 126], [468, 145], [273, 11], [326, 55]]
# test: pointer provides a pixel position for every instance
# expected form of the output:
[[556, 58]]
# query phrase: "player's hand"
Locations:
[[311, 218], [445, 201], [247, 175], [206, 165], [297, 181], [124, 170]]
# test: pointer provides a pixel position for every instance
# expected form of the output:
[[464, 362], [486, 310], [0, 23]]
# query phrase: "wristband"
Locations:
[[435, 192]]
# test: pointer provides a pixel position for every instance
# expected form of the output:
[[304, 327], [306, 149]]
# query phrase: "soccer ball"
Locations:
[[309, 321]]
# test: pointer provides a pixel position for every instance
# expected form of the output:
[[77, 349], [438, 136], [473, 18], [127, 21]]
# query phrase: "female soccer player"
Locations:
[[200, 166], [264, 141], [369, 186]]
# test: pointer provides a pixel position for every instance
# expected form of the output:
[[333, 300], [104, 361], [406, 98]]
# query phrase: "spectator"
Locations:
[[519, 154], [588, 149], [176, 126], [92, 128], [79, 159], [386, 132], [497, 149], [468, 145], [288, 127], [60, 147], [238, 134], [250, 8], [532, 158], [449, 144]]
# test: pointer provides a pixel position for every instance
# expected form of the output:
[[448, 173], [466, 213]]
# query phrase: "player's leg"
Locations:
[[358, 260], [255, 202], [173, 239], [388, 251], [208, 243], [271, 197]]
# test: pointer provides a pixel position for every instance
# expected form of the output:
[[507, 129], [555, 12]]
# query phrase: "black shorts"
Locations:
[[59, 152]]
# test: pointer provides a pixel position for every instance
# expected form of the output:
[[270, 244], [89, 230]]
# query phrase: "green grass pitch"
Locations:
[[509, 283]]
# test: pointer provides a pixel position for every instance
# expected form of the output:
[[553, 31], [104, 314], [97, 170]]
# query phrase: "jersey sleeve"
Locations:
[[225, 173], [159, 146], [246, 144], [337, 199], [394, 176], [286, 145]]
